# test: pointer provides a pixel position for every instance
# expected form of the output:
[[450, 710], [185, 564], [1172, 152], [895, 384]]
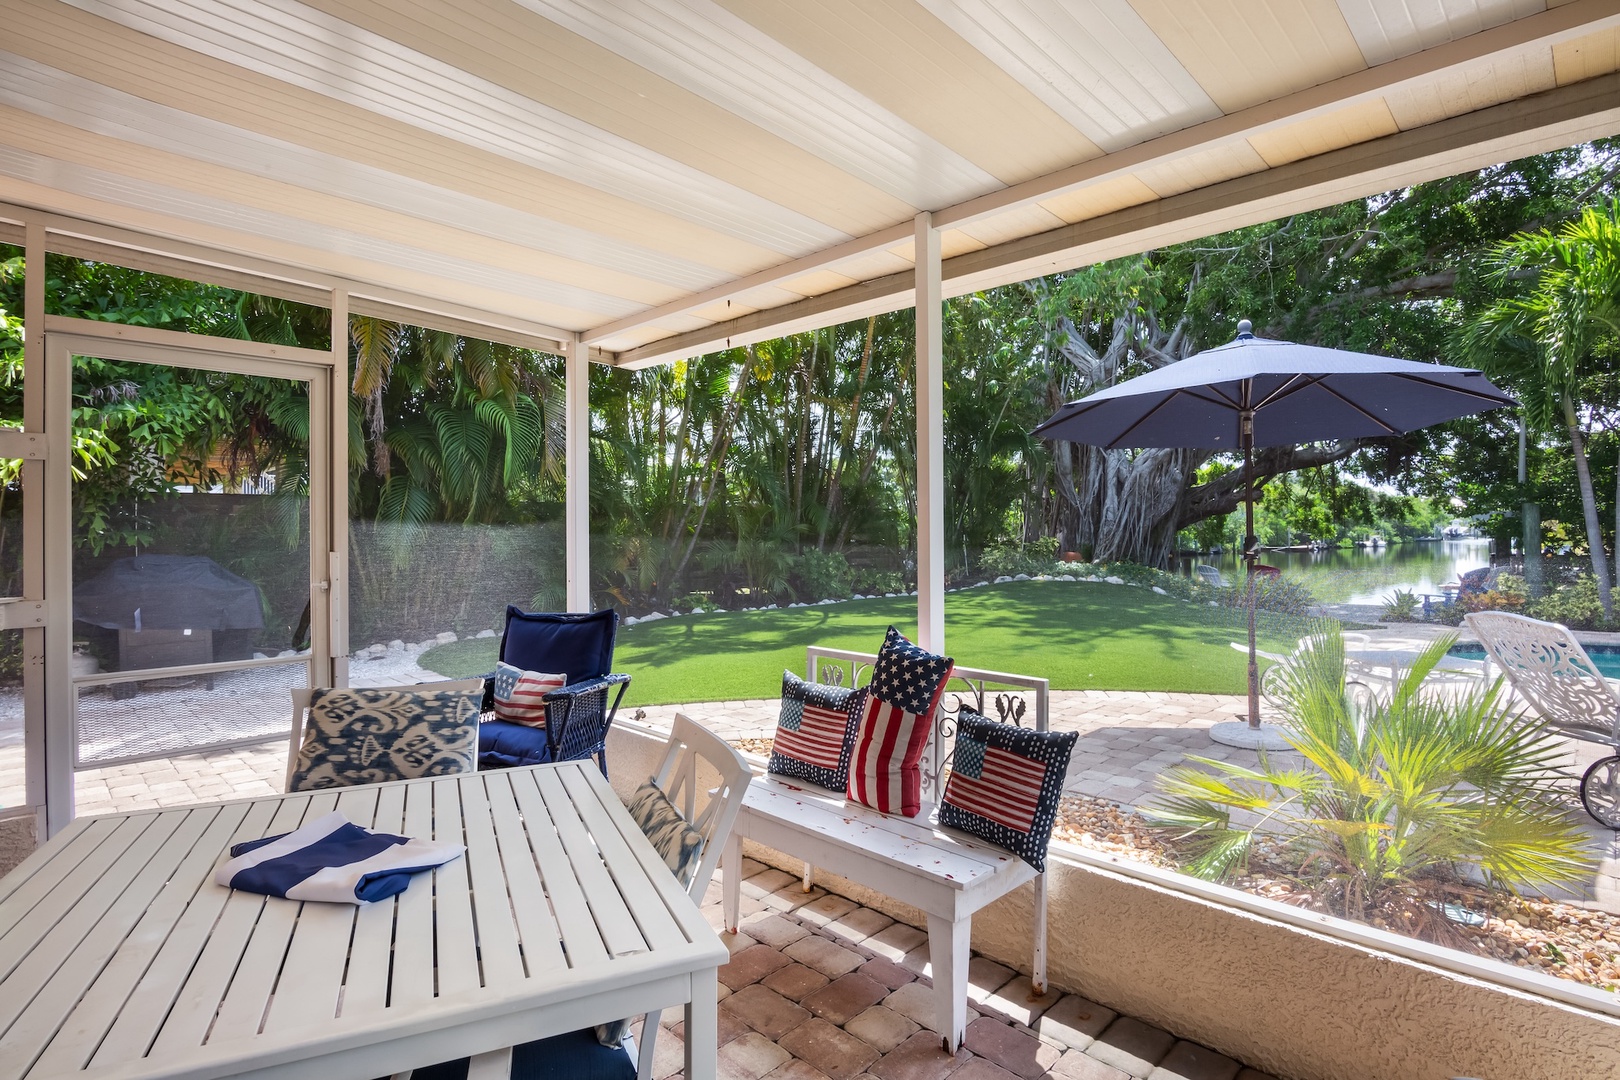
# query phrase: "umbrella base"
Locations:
[[1238, 733]]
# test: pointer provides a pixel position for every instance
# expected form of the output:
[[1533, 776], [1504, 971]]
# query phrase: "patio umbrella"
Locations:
[[1257, 392]]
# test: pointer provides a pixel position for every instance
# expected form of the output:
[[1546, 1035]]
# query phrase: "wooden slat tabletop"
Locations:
[[120, 957]]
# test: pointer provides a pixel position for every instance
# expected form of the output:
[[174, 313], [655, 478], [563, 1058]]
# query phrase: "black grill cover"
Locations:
[[171, 592]]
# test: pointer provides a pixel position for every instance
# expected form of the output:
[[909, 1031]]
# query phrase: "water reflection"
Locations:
[[1365, 575]]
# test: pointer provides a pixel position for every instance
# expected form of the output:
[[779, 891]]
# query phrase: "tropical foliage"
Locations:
[[1402, 799]]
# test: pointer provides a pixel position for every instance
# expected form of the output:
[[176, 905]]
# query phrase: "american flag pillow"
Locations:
[[815, 732], [1005, 784], [520, 695], [898, 715]]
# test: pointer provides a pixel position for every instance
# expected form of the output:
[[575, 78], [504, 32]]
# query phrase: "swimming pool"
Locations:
[[1606, 657]]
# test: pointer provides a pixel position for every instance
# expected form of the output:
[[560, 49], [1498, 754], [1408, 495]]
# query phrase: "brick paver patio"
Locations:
[[820, 988]]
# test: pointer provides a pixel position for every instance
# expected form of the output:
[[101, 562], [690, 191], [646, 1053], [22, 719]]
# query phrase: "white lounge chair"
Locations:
[[1558, 680]]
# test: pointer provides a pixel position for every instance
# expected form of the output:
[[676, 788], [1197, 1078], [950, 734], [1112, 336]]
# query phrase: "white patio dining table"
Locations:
[[120, 957]]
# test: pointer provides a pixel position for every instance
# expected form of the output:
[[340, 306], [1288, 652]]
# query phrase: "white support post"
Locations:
[[577, 417], [47, 757], [930, 440], [331, 663], [57, 367]]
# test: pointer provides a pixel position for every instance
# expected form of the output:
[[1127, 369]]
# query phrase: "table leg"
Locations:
[[731, 880], [948, 953], [702, 1027]]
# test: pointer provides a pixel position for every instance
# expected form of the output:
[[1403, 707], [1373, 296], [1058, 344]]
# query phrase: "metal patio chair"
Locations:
[[1550, 670]]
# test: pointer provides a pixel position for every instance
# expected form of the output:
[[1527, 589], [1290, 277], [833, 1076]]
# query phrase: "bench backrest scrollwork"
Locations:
[[996, 695]]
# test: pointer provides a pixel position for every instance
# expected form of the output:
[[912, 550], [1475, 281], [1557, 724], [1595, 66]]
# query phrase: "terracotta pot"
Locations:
[[1072, 556]]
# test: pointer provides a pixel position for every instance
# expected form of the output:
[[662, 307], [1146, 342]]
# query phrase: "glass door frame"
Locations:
[[66, 338]]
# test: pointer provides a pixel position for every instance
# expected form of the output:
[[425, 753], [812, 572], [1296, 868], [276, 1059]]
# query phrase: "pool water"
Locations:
[[1606, 657]]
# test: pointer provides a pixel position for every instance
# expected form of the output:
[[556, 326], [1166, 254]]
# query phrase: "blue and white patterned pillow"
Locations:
[[815, 732], [371, 736], [672, 836], [1005, 784]]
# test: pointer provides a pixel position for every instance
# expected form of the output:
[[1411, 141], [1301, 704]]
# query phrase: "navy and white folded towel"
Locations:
[[332, 859]]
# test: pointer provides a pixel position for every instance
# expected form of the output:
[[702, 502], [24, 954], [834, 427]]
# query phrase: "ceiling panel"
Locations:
[[1097, 199], [1094, 62], [90, 107], [146, 67], [1386, 29], [508, 44], [1243, 52], [1319, 134], [706, 49], [1203, 169], [1586, 56], [1475, 87], [915, 66], [297, 44]]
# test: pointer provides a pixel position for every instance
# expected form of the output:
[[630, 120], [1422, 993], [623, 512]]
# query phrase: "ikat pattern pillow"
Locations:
[[815, 732], [671, 834], [1005, 784], [896, 719], [372, 736], [520, 695]]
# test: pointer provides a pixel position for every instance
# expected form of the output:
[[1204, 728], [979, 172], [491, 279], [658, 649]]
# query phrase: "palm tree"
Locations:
[[1546, 341]]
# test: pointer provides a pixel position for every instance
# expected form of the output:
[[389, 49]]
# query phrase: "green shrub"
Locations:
[[823, 575], [1404, 795], [1575, 605], [879, 582], [1402, 606], [1035, 557]]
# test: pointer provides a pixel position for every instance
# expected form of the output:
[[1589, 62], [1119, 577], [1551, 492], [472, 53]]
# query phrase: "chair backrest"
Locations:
[[1551, 672], [576, 644], [1210, 575], [300, 707], [711, 811]]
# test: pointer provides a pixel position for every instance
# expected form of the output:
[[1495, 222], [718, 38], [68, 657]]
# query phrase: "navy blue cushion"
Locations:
[[579, 645], [574, 1056], [504, 745]]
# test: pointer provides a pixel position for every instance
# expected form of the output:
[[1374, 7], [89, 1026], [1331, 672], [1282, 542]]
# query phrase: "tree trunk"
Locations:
[[1594, 531]]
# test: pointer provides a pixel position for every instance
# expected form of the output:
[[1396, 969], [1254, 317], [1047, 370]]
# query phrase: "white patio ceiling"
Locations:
[[665, 176]]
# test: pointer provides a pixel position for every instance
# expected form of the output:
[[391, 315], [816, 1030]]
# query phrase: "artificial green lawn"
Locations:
[[1078, 635]]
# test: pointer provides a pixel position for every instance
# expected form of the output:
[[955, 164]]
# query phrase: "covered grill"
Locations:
[[171, 610]]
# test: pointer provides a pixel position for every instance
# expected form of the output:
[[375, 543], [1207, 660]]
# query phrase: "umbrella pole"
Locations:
[[1251, 555]]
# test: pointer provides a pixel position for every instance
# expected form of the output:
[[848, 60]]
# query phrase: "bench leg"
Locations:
[[948, 954], [1037, 960], [809, 878], [731, 880]]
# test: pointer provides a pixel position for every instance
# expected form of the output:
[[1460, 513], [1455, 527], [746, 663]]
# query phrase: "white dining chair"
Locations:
[[694, 758], [704, 778]]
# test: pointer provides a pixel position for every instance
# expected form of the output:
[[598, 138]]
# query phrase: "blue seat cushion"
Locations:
[[579, 645], [503, 744], [574, 1056]]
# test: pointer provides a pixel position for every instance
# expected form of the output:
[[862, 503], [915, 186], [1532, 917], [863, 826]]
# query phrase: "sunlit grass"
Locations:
[[1080, 636]]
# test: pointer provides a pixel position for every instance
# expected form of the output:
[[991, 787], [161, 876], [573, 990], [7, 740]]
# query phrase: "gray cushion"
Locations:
[[371, 736]]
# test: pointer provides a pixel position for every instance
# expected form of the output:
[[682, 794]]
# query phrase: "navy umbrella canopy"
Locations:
[[1257, 392], [1296, 393]]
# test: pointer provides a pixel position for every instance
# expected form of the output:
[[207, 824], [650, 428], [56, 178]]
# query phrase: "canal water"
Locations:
[[1364, 575]]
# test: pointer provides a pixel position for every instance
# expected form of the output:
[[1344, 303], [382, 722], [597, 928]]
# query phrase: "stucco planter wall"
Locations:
[[1300, 1002]]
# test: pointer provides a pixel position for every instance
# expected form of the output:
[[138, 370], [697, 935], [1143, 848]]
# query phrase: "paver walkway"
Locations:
[[820, 988]]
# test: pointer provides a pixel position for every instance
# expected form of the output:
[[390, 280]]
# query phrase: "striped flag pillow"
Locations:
[[520, 695], [896, 720], [1005, 784], [816, 732]]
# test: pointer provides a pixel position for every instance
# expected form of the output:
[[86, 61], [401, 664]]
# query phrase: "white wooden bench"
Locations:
[[947, 874]]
